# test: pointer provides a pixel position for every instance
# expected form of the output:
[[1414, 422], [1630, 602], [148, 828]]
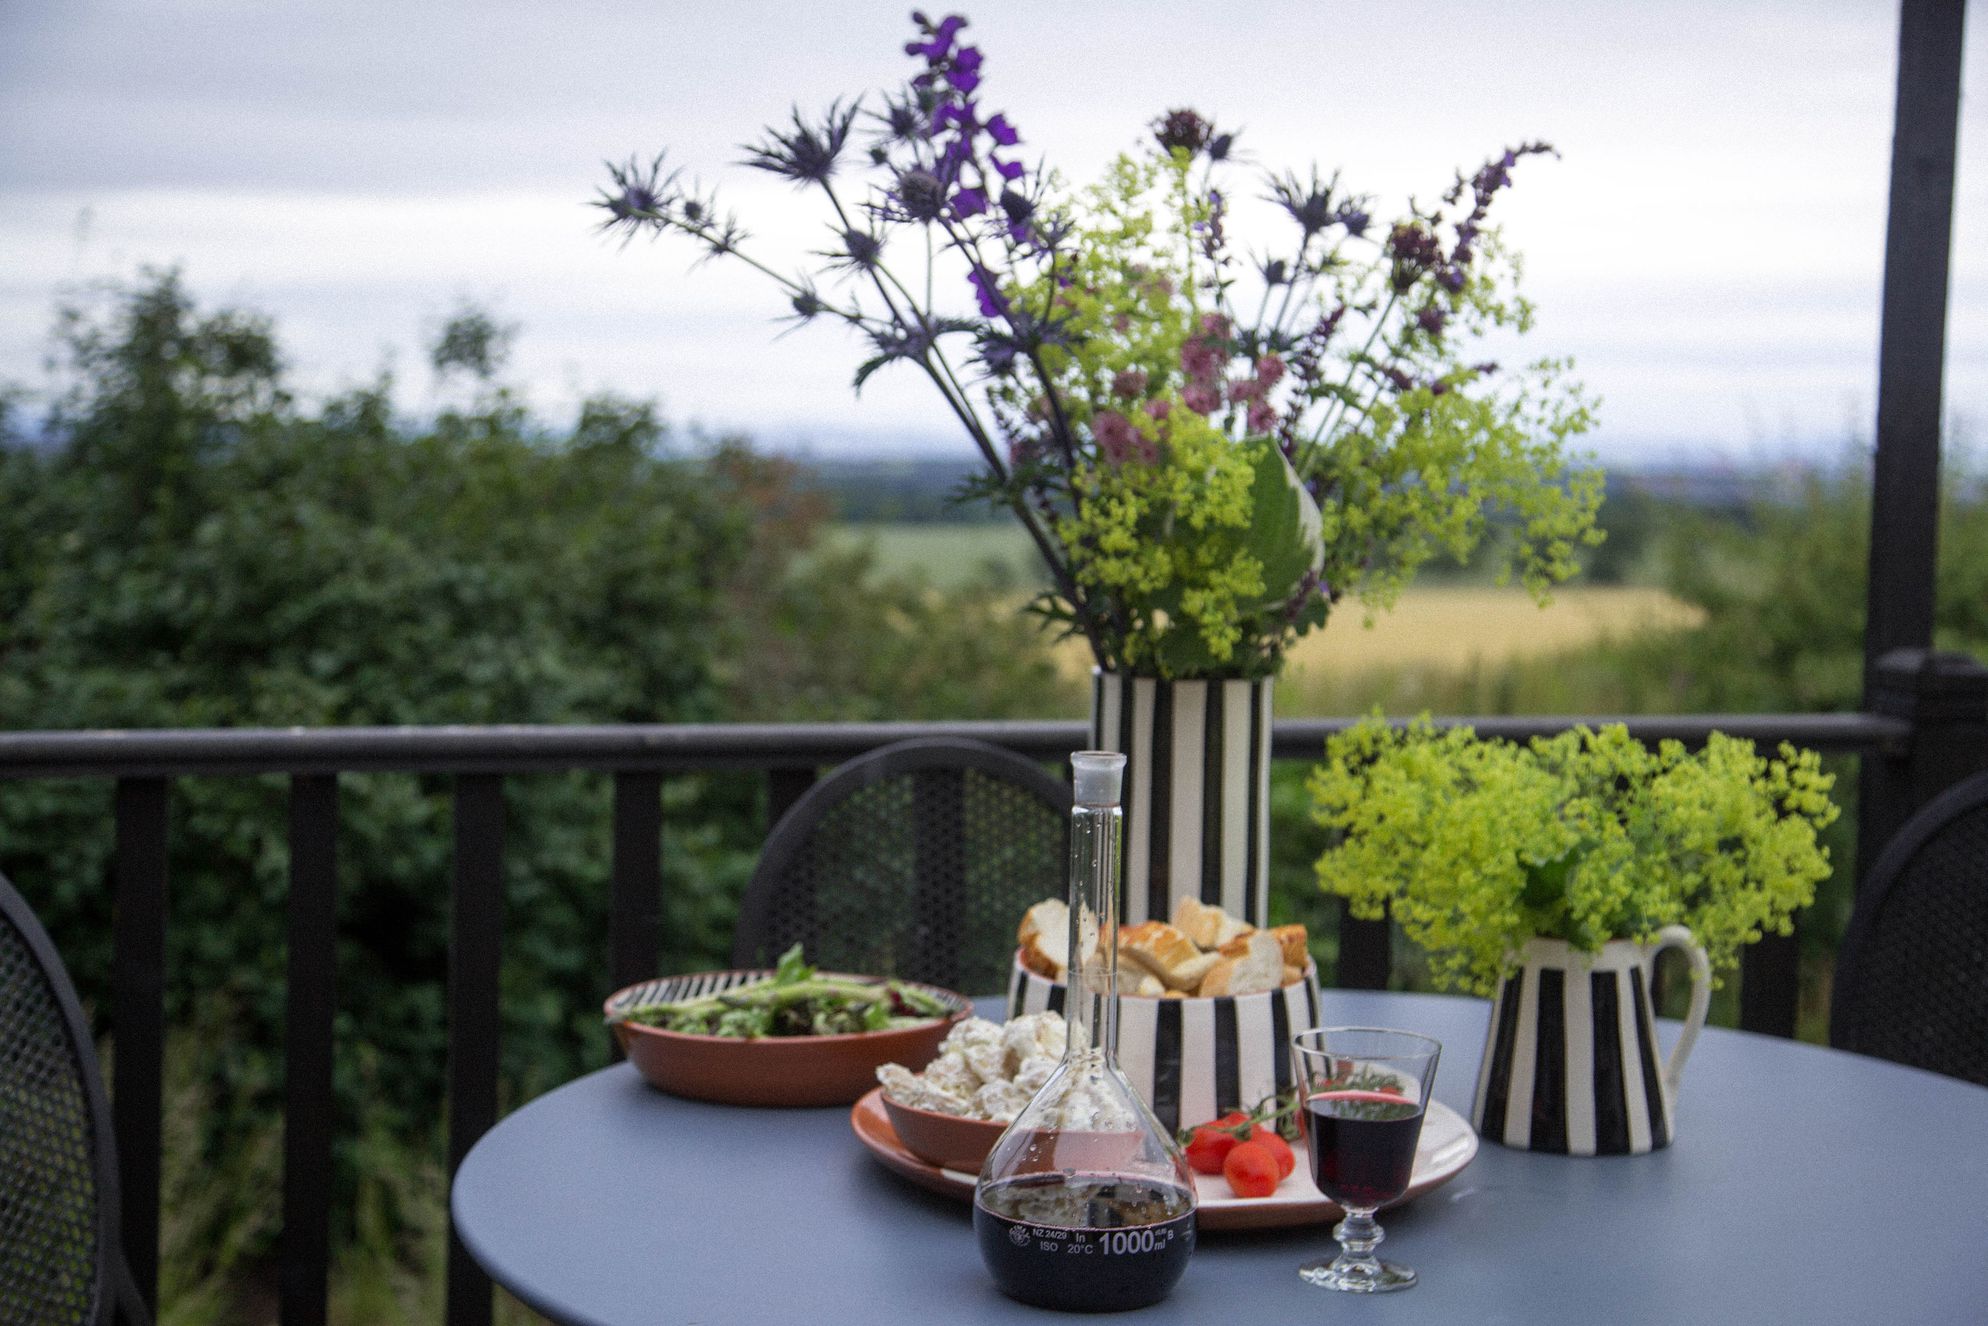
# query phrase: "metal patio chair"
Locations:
[[1912, 975], [61, 1252], [915, 860]]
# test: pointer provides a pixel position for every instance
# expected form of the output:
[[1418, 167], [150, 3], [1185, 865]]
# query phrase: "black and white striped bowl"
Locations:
[[770, 1070], [1196, 1059]]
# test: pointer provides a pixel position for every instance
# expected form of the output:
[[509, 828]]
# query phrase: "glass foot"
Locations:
[[1365, 1275]]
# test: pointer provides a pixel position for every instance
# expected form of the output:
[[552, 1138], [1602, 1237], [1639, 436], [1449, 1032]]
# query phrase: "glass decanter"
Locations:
[[1086, 1203]]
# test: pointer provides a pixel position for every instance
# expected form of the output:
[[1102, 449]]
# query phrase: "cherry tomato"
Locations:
[[1208, 1148], [1251, 1170], [1266, 1137], [1210, 1143]]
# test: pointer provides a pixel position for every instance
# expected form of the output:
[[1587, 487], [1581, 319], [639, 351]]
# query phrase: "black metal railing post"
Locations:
[[476, 935], [1912, 325], [310, 1007], [786, 784], [636, 888], [1366, 951], [138, 1003], [1944, 696]]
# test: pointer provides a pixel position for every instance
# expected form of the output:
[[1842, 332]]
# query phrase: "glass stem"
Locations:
[[1358, 1236], [1092, 1011]]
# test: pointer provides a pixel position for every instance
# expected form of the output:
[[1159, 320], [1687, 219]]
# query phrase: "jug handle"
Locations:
[[1677, 936]]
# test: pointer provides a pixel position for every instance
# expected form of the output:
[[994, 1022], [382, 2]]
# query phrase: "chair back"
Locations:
[[1912, 976], [61, 1258], [915, 860]]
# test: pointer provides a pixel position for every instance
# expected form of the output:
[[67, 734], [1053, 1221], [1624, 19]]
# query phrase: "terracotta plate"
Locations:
[[772, 1070], [1448, 1144]]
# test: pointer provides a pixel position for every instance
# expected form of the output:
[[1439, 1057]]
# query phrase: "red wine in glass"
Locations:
[[1364, 1092], [1362, 1145]]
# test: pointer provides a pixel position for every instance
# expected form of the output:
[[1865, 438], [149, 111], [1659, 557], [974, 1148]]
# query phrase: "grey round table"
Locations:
[[1805, 1185]]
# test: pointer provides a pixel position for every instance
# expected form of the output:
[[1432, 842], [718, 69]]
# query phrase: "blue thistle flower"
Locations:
[[639, 196], [809, 153]]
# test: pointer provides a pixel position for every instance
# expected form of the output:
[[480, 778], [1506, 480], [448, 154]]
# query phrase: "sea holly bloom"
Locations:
[[807, 153], [919, 196], [1019, 210], [1208, 452], [1182, 129]]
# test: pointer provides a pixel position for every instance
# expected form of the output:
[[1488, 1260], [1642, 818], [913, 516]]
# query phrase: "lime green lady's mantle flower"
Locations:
[[1475, 846]]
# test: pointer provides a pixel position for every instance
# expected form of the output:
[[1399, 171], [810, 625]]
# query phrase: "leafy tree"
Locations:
[[193, 549], [184, 544]]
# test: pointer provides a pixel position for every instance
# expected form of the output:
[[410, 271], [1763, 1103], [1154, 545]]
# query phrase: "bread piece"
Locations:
[[1295, 943], [1292, 975], [1148, 986], [1258, 967], [1164, 951], [1045, 939], [1208, 927]]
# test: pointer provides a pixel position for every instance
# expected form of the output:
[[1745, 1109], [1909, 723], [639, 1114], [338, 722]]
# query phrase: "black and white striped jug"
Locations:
[[1570, 1059]]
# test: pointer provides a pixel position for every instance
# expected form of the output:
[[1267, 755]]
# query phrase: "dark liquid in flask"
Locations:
[[1089, 1243], [1362, 1145]]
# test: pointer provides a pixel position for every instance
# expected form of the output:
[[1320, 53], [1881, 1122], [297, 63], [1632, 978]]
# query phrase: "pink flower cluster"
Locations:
[[1255, 393], [1119, 440], [1203, 358]]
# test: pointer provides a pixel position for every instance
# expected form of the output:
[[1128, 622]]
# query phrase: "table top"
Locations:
[[1805, 1184]]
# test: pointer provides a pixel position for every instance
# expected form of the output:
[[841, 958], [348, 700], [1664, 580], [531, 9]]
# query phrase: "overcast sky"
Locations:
[[1708, 247]]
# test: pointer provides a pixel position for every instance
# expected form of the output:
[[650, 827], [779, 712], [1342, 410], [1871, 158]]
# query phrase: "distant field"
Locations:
[[1443, 646], [1456, 648], [950, 556]]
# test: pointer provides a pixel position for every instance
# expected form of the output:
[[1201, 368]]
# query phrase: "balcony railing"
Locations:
[[1901, 751]]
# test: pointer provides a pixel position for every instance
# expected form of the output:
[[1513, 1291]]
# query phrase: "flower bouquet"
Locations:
[[1209, 446], [1208, 449]]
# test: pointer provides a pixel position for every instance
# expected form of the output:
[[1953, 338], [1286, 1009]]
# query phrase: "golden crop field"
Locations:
[[1438, 637], [1457, 648]]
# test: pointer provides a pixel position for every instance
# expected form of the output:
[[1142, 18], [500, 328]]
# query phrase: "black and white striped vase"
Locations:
[[1571, 1062], [1197, 791]]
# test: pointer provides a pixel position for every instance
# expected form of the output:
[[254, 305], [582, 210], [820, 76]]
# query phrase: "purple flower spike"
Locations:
[[965, 72], [969, 202], [985, 289], [1010, 170], [1002, 132]]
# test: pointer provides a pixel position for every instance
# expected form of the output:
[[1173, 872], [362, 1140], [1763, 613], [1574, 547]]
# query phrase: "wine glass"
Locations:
[[1363, 1091]]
